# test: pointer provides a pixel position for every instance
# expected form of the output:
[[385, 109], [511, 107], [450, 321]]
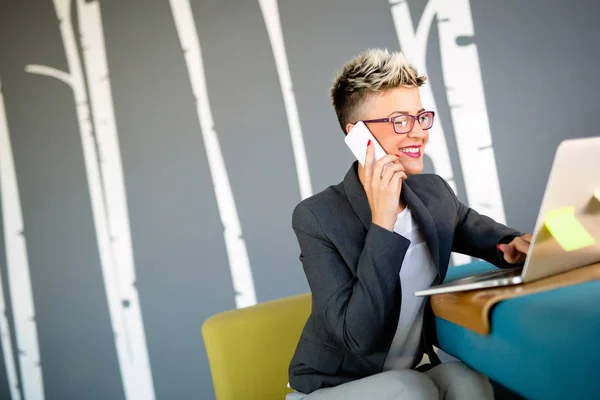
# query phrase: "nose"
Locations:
[[417, 132]]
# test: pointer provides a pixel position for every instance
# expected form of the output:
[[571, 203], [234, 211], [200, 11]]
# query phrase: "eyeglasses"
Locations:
[[404, 123]]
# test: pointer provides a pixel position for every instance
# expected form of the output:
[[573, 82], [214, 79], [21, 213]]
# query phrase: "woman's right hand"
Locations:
[[383, 184]]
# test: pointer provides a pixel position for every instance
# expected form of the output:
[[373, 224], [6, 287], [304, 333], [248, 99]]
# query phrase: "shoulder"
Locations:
[[329, 213], [317, 207]]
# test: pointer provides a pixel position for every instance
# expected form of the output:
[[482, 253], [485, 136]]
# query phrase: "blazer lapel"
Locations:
[[359, 202], [357, 196], [425, 221]]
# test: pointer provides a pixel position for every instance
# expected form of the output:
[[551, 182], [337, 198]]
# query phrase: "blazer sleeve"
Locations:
[[354, 306], [478, 235]]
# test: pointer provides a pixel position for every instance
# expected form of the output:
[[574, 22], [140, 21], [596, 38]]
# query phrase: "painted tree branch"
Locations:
[[50, 72]]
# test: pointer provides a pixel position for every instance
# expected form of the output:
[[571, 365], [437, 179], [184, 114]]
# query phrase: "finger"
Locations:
[[507, 250], [515, 251], [526, 237], [396, 181], [513, 260], [521, 245], [369, 161], [378, 169], [401, 166], [384, 168], [519, 258], [381, 163], [390, 171], [511, 257]]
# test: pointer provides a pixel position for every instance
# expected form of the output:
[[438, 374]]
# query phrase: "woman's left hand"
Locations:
[[515, 252]]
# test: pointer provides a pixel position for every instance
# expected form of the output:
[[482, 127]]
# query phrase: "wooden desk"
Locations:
[[471, 309]]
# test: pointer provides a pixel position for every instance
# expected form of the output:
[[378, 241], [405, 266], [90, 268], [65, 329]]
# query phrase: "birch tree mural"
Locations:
[[237, 254], [464, 90], [19, 282], [270, 12], [413, 44], [466, 99], [107, 190]]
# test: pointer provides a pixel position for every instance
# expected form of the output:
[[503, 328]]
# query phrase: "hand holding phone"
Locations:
[[383, 175]]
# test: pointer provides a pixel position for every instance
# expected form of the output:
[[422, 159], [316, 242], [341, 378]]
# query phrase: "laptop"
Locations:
[[574, 181]]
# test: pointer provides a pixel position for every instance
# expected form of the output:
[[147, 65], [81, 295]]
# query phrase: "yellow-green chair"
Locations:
[[249, 350]]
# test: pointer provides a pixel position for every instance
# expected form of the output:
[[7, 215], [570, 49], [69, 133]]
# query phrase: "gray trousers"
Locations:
[[447, 381]]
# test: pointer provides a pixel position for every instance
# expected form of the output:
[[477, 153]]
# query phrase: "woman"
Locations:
[[368, 243]]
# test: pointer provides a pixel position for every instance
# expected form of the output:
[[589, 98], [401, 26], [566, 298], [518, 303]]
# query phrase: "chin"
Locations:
[[413, 169]]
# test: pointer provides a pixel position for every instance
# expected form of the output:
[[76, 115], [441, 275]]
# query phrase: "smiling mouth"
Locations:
[[413, 152]]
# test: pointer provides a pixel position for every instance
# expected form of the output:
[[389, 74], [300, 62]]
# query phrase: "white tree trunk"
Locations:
[[111, 172], [239, 263], [270, 12], [413, 44], [464, 89], [107, 192], [19, 282]]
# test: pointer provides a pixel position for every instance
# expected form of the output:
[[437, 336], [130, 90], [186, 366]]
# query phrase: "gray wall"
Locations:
[[539, 66]]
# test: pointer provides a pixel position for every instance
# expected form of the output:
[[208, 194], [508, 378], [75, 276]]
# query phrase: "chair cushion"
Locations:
[[249, 350]]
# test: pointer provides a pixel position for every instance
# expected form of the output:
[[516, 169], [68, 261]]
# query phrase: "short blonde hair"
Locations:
[[372, 71]]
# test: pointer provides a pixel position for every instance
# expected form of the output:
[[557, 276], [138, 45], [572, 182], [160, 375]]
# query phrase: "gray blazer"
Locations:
[[353, 267]]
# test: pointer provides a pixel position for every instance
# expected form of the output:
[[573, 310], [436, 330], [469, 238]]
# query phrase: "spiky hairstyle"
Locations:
[[372, 71]]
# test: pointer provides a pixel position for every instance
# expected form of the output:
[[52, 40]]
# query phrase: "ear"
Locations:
[[348, 128]]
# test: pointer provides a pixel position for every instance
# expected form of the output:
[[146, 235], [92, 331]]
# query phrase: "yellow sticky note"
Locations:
[[567, 230]]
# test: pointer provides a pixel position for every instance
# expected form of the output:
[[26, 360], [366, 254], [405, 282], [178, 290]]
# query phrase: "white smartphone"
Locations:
[[357, 140]]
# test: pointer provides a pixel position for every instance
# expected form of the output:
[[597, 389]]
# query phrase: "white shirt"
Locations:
[[417, 272]]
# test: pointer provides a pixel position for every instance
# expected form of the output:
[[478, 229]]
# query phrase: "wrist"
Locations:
[[389, 225]]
